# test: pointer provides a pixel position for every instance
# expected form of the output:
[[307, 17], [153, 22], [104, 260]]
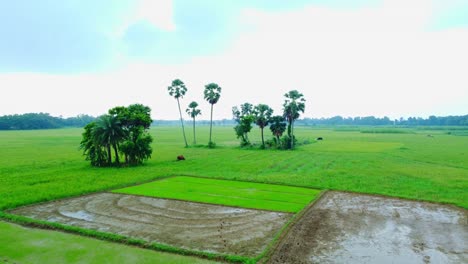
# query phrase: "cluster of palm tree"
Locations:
[[123, 130], [212, 93], [262, 116]]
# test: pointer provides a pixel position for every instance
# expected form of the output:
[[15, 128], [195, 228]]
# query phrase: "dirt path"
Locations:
[[187, 225], [351, 228]]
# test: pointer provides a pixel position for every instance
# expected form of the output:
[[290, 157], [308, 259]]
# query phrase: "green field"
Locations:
[[224, 192], [37, 166], [26, 245]]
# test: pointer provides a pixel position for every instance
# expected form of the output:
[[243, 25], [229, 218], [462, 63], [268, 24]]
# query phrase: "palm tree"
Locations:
[[178, 90], [109, 133], [212, 94], [193, 112], [277, 127], [293, 104], [92, 149], [262, 114]]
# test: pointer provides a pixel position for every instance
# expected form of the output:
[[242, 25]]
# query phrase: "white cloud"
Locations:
[[375, 61], [159, 13]]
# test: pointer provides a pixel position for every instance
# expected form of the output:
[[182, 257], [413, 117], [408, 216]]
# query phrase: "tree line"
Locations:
[[32, 121], [41, 121], [385, 121]]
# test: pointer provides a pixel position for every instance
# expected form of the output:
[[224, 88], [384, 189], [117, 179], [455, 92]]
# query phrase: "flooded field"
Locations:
[[352, 228]]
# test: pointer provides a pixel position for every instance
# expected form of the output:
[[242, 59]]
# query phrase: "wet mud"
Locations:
[[188, 225], [352, 228]]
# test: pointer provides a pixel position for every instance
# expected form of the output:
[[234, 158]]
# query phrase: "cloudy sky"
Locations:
[[395, 58]]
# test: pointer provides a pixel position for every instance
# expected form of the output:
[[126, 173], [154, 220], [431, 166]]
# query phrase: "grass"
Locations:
[[225, 192], [43, 165], [25, 245]]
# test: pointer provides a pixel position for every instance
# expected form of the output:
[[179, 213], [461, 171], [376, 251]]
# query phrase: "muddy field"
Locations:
[[181, 224], [350, 228]]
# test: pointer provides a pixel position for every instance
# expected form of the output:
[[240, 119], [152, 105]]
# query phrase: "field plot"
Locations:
[[234, 193], [353, 228], [144, 212], [23, 245], [188, 225]]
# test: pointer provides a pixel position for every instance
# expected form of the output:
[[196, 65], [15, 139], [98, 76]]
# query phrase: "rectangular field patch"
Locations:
[[225, 192], [185, 225]]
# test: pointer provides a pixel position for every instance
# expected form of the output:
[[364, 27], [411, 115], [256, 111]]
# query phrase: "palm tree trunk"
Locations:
[[109, 154], [194, 137], [263, 140], [116, 154], [292, 134], [211, 122], [182, 122]]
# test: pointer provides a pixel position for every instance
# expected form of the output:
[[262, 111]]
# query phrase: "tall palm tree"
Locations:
[[193, 112], [178, 90], [262, 114], [293, 104], [109, 133], [212, 94]]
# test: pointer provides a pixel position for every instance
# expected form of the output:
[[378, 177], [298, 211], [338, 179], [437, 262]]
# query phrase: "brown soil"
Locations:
[[195, 226], [352, 228]]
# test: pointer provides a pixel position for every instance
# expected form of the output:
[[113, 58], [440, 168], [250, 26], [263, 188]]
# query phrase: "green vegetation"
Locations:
[[193, 112], [25, 245], [43, 165], [212, 93], [233, 193], [244, 118], [277, 127], [178, 90], [41, 121], [125, 130], [293, 105], [262, 113]]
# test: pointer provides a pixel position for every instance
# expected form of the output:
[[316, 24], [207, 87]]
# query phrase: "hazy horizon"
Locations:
[[394, 58]]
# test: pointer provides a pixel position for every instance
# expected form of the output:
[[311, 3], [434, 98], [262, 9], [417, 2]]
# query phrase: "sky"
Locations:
[[395, 58]]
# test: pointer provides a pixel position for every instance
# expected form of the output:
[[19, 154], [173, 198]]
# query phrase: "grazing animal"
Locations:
[[320, 138], [180, 157]]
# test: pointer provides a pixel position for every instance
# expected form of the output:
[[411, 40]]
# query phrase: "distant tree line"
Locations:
[[385, 121], [46, 121], [41, 121]]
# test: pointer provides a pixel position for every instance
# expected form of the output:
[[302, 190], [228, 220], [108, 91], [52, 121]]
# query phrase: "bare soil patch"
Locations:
[[195, 226], [353, 228]]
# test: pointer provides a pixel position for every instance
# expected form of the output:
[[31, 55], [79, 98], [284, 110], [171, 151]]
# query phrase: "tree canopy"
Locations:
[[123, 129], [244, 118], [293, 105], [262, 114]]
